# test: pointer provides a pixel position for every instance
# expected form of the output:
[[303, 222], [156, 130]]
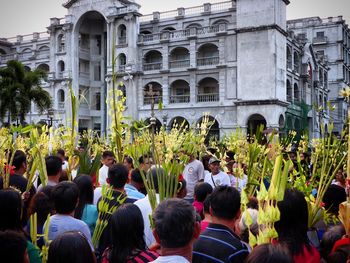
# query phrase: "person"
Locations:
[[70, 247], [201, 191], [175, 229], [216, 177], [108, 159], [61, 154], [293, 226], [182, 188], [236, 180], [193, 173], [145, 163], [85, 210], [13, 247], [10, 219], [269, 253], [205, 162], [65, 196], [145, 206], [128, 162], [133, 188], [54, 170], [329, 238], [341, 252], [207, 218], [219, 242], [128, 244]]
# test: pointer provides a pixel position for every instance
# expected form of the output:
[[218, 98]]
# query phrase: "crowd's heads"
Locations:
[[70, 247], [182, 188], [11, 210], [225, 203], [86, 193], [127, 230], [42, 205], [108, 158], [61, 154], [214, 165], [118, 175], [175, 223], [202, 190], [53, 166], [269, 253], [13, 247], [65, 196], [128, 162], [136, 176], [145, 162], [205, 161], [19, 160], [329, 238]]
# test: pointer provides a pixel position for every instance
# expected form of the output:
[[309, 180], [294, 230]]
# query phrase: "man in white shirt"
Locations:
[[175, 230], [193, 173], [108, 159], [216, 177]]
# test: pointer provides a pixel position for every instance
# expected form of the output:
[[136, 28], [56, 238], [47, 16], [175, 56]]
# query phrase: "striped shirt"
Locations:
[[140, 257], [220, 245]]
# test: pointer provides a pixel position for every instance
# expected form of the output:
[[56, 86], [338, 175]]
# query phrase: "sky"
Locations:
[[20, 17]]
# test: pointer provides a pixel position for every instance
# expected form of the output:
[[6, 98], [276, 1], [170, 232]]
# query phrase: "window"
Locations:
[[97, 72], [320, 34]]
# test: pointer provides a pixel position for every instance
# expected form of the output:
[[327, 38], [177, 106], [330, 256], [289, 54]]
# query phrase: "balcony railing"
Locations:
[[6, 57], [320, 40], [179, 63], [208, 61], [148, 100], [179, 98], [122, 40], [152, 66], [208, 97]]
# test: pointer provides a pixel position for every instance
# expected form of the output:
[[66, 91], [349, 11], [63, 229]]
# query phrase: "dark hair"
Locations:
[[86, 193], [253, 203], [205, 161], [61, 152], [269, 253], [174, 221], [42, 205], [225, 202], [127, 229], [11, 210], [106, 154], [13, 246], [206, 204], [18, 159], [70, 247], [231, 155], [118, 175], [136, 176], [53, 165], [202, 190], [329, 238], [142, 158], [340, 255], [65, 196], [293, 224], [129, 160]]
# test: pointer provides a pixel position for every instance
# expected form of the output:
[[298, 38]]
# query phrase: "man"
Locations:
[[219, 243], [216, 177], [134, 187], [108, 159], [175, 230], [65, 196], [54, 171], [145, 163], [61, 155], [193, 173]]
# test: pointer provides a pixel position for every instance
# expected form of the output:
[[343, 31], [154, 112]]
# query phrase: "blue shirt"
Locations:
[[132, 192], [89, 216]]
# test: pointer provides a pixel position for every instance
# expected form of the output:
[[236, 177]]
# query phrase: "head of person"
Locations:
[[65, 196], [19, 162], [201, 191], [242, 225], [127, 230], [225, 205], [205, 161], [61, 154], [145, 162], [42, 205], [128, 162], [293, 224], [108, 158], [136, 179], [269, 253], [182, 188], [340, 176], [292, 156], [13, 247], [340, 255], [53, 166], [214, 165], [230, 155], [70, 247], [175, 223], [153, 174], [86, 193], [329, 238], [11, 210], [118, 176]]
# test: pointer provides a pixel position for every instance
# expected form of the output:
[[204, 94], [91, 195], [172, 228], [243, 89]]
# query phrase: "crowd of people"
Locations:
[[202, 223]]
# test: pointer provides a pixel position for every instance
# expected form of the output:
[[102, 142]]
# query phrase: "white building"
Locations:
[[228, 59]]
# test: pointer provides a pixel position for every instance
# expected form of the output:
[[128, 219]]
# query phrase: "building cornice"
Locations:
[[261, 102], [262, 28]]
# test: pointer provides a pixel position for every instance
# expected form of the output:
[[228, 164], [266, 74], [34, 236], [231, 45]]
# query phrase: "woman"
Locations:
[[86, 210], [128, 244], [293, 226]]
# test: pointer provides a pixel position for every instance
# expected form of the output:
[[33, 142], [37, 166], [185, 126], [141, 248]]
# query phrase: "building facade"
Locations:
[[229, 59]]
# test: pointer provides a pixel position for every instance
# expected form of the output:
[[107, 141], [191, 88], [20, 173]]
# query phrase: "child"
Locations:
[[201, 191]]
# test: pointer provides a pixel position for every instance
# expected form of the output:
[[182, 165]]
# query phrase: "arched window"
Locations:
[[289, 58], [214, 131], [2, 52], [152, 90], [122, 62], [153, 61], [43, 52], [61, 98], [296, 93], [296, 62], [179, 92], [289, 91], [60, 69], [254, 122], [208, 90], [179, 58], [27, 68], [208, 55], [122, 35], [44, 67], [61, 43], [179, 123], [320, 76], [169, 28], [25, 54]]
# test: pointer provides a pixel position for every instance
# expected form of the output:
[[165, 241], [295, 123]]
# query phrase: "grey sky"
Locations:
[[28, 16]]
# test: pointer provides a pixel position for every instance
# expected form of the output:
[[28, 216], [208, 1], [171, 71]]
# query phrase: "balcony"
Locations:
[[179, 63], [320, 40], [148, 100], [179, 98], [208, 97], [208, 61], [152, 66]]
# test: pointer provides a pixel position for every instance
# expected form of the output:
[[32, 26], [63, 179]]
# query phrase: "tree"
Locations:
[[18, 88]]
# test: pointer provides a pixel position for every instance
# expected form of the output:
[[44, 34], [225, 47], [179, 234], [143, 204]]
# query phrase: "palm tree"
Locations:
[[18, 88]]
